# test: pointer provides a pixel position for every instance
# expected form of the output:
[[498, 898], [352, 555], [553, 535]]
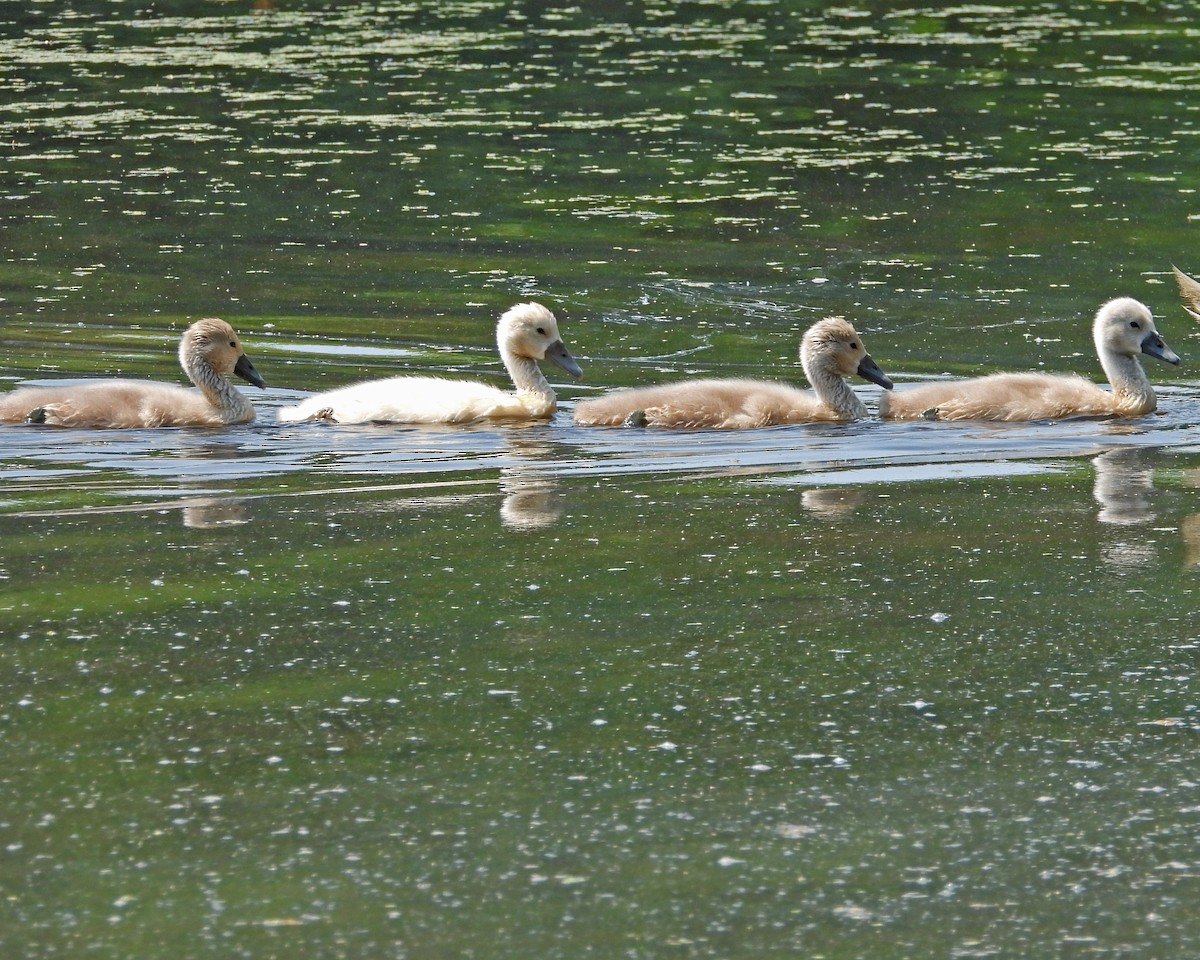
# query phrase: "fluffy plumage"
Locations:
[[525, 334], [830, 351], [1189, 292], [1123, 329], [209, 352]]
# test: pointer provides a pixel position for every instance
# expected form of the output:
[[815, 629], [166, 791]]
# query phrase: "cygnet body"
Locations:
[[830, 351], [525, 334], [1123, 329], [1189, 292], [209, 352]]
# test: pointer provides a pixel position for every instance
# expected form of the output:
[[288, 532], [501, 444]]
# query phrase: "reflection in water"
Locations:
[[1124, 489], [532, 500], [216, 447], [832, 502], [530, 503], [211, 513], [1189, 529], [1128, 556]]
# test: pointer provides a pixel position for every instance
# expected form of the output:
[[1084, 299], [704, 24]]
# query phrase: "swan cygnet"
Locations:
[[830, 351], [1123, 329], [1189, 292], [209, 352], [525, 334]]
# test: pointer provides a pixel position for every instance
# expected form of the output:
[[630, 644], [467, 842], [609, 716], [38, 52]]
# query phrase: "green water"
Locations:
[[833, 691]]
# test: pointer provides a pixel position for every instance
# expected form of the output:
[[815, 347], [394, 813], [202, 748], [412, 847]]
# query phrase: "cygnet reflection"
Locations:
[[531, 502], [1124, 487], [832, 502], [1189, 529], [1128, 556], [212, 513]]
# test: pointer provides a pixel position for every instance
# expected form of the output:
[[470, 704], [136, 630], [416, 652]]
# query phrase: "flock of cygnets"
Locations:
[[830, 351]]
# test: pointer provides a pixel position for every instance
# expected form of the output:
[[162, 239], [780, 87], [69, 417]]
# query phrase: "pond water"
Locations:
[[841, 691]]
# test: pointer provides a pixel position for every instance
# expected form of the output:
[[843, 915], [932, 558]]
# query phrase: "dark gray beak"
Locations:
[[1153, 344], [245, 370], [868, 369], [558, 354]]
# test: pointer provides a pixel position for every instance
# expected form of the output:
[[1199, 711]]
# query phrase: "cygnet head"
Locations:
[[834, 346], [214, 344], [1126, 327], [529, 330]]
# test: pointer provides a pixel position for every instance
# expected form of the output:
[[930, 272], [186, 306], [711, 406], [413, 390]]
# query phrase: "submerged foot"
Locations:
[[635, 419], [36, 415]]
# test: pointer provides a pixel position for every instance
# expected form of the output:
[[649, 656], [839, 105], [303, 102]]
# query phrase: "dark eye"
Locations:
[[542, 331], [1135, 325], [853, 345], [233, 343]]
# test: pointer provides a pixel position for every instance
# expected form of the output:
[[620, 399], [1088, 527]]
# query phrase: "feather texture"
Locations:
[[525, 334], [209, 352], [830, 351], [1123, 329]]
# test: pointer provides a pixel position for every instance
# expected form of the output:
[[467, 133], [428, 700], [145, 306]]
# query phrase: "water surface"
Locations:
[[824, 691]]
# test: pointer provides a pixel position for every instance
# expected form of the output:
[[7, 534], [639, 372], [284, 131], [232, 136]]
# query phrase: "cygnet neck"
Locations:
[[527, 377], [217, 390], [1129, 382], [833, 390]]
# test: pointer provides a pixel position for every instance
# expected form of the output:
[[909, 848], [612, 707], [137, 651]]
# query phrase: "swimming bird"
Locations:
[[209, 352], [525, 334], [1123, 329], [830, 350], [1189, 292]]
